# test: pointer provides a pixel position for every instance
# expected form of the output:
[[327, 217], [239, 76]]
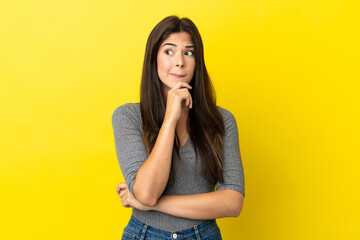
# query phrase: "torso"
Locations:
[[187, 174]]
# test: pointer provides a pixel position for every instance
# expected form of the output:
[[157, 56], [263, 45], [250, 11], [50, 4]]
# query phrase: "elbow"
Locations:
[[150, 202], [236, 212], [145, 198], [237, 206], [145, 195]]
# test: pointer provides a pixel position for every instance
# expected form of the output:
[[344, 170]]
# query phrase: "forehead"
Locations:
[[182, 37]]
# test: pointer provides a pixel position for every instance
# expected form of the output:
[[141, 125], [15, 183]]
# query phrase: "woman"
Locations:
[[176, 145]]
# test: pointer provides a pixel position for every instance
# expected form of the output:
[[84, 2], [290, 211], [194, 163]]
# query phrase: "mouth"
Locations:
[[177, 75]]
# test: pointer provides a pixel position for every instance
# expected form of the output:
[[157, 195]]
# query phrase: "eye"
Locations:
[[189, 53], [168, 52]]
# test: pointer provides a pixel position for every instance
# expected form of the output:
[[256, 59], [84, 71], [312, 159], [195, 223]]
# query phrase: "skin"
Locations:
[[176, 66], [203, 206], [175, 61]]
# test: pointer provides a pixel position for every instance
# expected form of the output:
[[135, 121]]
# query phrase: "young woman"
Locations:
[[176, 145]]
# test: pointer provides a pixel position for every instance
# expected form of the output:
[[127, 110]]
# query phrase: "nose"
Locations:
[[180, 61]]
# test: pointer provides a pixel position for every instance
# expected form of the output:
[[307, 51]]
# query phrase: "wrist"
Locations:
[[169, 123]]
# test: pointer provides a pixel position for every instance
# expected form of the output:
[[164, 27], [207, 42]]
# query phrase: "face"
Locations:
[[175, 60]]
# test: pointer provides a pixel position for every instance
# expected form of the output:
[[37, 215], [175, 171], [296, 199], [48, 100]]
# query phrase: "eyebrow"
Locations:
[[172, 44]]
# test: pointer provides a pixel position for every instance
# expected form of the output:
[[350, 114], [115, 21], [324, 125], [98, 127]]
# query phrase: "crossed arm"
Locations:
[[212, 205], [151, 181], [147, 176]]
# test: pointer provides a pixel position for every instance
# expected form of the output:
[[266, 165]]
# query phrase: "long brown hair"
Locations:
[[205, 121]]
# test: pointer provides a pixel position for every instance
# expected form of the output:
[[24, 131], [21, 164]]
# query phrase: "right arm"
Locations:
[[152, 177], [147, 176]]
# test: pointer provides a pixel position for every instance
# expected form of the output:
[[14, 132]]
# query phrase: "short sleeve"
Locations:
[[130, 148], [232, 166]]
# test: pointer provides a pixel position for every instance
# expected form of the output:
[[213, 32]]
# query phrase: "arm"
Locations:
[[153, 175], [138, 167], [212, 205], [227, 201], [202, 206], [147, 175]]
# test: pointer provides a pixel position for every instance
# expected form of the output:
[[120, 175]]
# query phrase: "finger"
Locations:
[[182, 85], [120, 187], [183, 92], [191, 101], [188, 99], [177, 86], [126, 205], [180, 94], [126, 202], [125, 196], [122, 193]]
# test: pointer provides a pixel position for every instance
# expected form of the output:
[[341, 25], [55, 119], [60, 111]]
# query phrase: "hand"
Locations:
[[175, 98], [127, 198]]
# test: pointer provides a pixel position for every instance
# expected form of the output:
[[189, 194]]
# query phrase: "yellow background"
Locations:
[[287, 69]]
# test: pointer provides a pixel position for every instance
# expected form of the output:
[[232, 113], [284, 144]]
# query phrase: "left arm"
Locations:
[[227, 200], [202, 206]]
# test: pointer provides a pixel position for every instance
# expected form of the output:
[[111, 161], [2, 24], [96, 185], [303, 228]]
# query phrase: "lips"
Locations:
[[177, 75]]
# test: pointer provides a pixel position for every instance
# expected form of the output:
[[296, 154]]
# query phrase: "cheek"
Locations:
[[192, 66], [163, 65]]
